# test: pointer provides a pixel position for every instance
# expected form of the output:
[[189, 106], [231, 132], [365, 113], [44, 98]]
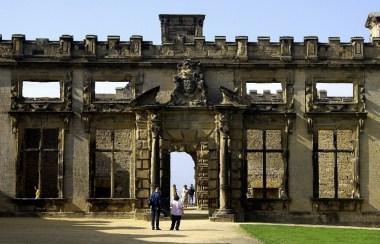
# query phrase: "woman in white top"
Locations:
[[176, 212]]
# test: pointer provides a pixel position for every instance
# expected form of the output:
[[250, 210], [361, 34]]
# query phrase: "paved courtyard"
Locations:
[[103, 230]]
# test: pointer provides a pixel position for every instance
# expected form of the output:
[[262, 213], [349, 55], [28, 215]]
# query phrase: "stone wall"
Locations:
[[298, 66]]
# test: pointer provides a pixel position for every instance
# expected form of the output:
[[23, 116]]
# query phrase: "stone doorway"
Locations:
[[200, 155]]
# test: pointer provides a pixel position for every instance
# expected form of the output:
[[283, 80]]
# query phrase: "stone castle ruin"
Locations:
[[298, 154]]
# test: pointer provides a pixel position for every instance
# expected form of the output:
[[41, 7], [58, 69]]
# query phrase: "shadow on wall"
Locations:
[[5, 204], [368, 140]]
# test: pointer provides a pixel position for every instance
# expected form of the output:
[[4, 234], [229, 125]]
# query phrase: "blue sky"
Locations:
[[274, 18]]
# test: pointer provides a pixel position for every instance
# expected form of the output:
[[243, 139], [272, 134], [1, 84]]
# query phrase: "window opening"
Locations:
[[265, 92], [338, 91], [41, 90], [112, 90], [40, 163]]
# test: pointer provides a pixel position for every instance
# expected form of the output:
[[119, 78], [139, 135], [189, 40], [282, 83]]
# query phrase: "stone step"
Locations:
[[193, 214]]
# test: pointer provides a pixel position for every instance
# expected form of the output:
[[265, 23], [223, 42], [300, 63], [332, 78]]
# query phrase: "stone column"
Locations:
[[224, 186], [224, 213], [154, 159]]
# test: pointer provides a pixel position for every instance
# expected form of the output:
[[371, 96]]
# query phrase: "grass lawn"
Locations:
[[298, 234]]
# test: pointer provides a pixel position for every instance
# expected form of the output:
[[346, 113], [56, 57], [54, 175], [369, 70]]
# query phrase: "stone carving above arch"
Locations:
[[190, 89]]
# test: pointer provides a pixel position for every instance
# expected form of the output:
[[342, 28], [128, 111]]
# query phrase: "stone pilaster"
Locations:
[[242, 48], [18, 45], [357, 47], [202, 179], [286, 48], [90, 44], [65, 45], [142, 160], [311, 45], [135, 47]]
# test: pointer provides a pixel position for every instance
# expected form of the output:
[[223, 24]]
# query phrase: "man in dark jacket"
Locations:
[[154, 202]]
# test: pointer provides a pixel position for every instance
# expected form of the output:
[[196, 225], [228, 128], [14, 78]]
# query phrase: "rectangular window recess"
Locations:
[[265, 164], [336, 164], [112, 90], [265, 91], [41, 90], [111, 168], [41, 174], [328, 91]]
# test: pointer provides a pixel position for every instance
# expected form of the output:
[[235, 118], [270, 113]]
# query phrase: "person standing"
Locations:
[[185, 196], [174, 191], [154, 203], [37, 192], [176, 212], [191, 195]]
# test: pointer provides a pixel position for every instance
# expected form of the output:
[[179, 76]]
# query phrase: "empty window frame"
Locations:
[[112, 90], [339, 92], [41, 90], [335, 162], [41, 164], [111, 168], [265, 91], [265, 164]]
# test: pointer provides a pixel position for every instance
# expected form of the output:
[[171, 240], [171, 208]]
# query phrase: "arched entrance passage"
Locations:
[[200, 155], [194, 133], [182, 172]]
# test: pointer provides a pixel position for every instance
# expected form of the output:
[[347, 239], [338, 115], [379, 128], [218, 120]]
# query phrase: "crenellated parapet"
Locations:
[[241, 50], [182, 38]]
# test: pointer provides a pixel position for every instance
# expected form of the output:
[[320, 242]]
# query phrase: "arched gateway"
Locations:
[[299, 154], [189, 123]]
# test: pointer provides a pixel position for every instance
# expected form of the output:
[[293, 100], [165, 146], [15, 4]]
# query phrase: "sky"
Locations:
[[274, 18]]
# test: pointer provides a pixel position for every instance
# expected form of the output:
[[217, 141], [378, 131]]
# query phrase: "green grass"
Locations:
[[298, 234]]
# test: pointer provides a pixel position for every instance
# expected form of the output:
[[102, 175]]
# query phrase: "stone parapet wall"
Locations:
[[285, 50]]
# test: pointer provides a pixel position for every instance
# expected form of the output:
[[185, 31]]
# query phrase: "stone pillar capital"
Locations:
[[155, 122], [222, 121]]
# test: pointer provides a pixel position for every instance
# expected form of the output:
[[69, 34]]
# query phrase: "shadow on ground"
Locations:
[[76, 231]]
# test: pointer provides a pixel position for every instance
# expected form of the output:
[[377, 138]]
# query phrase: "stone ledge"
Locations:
[[111, 204], [267, 204], [39, 205], [336, 204]]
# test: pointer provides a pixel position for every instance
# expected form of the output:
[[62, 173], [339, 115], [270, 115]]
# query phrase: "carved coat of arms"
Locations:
[[190, 89]]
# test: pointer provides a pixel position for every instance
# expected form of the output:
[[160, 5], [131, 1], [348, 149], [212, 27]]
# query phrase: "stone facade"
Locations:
[[297, 154]]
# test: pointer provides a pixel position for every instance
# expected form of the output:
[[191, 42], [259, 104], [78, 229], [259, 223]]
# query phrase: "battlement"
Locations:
[[285, 50], [266, 96], [182, 38]]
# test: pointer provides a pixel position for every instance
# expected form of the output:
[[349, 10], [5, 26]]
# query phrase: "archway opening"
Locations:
[[182, 172]]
